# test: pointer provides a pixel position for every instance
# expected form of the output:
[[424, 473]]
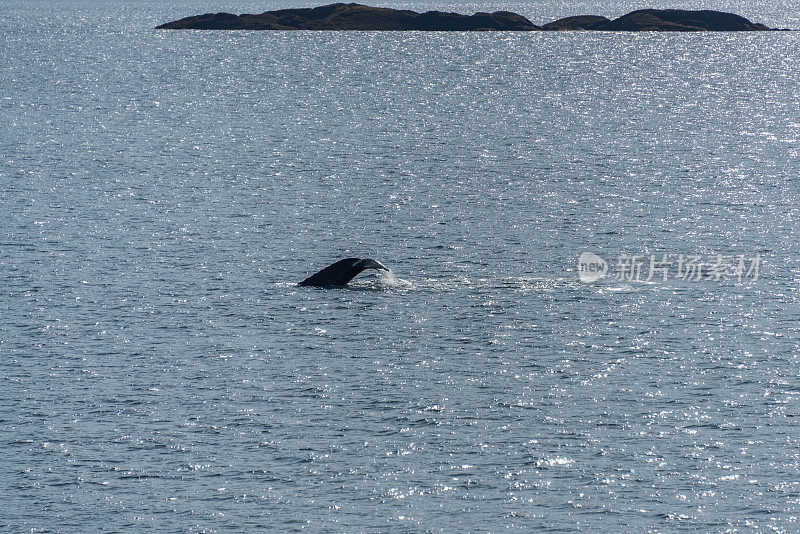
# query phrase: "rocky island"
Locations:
[[660, 20], [366, 18]]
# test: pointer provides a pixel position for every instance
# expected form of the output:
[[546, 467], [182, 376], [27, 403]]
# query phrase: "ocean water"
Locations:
[[162, 192]]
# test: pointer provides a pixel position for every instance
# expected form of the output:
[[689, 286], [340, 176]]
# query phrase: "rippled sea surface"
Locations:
[[162, 192]]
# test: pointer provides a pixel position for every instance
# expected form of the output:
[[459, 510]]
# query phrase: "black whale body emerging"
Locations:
[[341, 272]]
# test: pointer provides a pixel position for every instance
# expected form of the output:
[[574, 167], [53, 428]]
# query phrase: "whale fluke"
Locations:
[[341, 272]]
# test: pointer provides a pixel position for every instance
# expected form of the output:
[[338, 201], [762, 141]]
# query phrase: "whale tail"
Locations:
[[340, 273]]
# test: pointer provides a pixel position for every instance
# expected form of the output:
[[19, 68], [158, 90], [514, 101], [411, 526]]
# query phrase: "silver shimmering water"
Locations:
[[161, 192]]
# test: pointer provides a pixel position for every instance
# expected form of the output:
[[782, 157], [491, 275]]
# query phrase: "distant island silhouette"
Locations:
[[366, 18]]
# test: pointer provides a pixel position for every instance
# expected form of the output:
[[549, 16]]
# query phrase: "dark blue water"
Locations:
[[161, 193]]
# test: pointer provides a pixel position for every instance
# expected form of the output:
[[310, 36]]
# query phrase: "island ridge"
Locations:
[[365, 18]]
